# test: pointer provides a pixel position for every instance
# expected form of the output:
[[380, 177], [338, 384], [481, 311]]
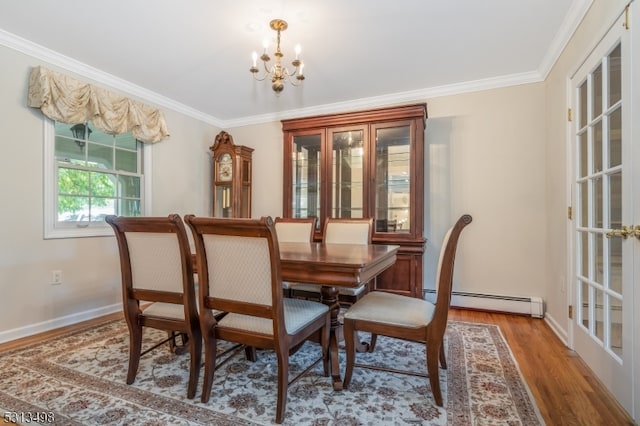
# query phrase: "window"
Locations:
[[88, 175]]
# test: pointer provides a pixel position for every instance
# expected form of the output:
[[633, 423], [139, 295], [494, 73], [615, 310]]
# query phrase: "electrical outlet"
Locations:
[[56, 277]]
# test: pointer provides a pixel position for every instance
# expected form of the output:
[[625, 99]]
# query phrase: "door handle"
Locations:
[[623, 232], [635, 232]]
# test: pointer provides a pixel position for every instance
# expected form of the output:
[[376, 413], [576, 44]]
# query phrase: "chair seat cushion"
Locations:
[[394, 309], [169, 310], [297, 314], [352, 291]]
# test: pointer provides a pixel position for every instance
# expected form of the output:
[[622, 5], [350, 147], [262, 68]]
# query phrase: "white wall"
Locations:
[[90, 266], [484, 156]]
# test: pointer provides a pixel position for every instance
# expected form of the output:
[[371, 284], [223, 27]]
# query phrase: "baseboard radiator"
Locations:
[[532, 306]]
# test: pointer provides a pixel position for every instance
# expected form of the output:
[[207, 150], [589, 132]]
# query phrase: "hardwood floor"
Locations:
[[566, 391]]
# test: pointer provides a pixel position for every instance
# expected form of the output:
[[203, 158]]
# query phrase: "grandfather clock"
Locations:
[[231, 177]]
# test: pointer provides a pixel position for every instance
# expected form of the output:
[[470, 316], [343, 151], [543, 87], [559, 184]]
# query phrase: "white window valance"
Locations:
[[63, 98]]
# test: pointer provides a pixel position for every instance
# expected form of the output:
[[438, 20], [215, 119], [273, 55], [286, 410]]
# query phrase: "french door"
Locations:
[[605, 241]]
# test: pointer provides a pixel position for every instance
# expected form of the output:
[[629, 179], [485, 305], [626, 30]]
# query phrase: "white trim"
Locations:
[[569, 25], [553, 324], [572, 20], [31, 329]]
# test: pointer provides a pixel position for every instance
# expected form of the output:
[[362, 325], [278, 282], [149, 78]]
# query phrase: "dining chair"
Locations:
[[340, 231], [294, 230], [158, 286], [408, 318], [240, 273]]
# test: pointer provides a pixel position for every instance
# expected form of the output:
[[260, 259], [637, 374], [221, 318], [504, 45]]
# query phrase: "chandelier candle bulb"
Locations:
[[298, 50]]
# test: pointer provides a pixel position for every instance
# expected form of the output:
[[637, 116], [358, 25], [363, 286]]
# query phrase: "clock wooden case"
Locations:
[[231, 177]]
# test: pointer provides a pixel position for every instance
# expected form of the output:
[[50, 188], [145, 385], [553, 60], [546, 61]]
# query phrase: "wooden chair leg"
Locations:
[[210, 348], [434, 374], [443, 358], [135, 348], [195, 347], [350, 337], [283, 384]]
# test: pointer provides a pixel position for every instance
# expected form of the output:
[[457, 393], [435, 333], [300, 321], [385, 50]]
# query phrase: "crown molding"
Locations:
[[577, 12], [69, 64], [572, 20]]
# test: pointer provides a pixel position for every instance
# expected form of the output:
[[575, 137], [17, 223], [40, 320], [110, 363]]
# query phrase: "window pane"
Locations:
[[584, 253], [126, 160], [73, 182], [71, 208], [130, 208], [103, 184], [127, 141], [100, 156], [98, 136], [129, 186], [69, 150]]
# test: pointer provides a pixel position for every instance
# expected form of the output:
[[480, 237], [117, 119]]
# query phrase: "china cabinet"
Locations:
[[363, 164], [231, 177]]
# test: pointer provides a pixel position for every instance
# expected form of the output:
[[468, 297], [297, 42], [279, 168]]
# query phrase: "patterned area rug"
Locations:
[[79, 379]]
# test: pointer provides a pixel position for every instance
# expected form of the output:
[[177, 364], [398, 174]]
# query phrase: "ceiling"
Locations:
[[194, 55]]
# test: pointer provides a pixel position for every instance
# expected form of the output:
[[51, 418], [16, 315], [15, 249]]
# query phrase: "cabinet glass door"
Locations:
[[347, 173], [392, 178], [305, 176]]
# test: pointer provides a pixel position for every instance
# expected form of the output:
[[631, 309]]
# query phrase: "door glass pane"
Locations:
[[597, 202], [584, 254], [582, 151], [584, 303], [599, 315], [597, 147], [615, 203], [393, 188], [615, 330], [597, 92], [347, 198], [599, 259], [583, 191], [615, 138], [615, 76], [305, 177], [615, 265], [582, 105]]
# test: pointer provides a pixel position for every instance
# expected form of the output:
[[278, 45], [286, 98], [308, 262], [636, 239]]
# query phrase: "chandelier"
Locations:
[[278, 73]]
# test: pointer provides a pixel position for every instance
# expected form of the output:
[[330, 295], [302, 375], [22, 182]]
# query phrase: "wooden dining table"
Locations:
[[333, 266]]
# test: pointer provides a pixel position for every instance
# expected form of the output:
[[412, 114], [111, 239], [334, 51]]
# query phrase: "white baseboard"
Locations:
[[31, 329], [533, 306], [557, 329]]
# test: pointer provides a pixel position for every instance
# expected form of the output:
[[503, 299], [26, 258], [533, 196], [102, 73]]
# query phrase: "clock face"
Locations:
[[225, 167]]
